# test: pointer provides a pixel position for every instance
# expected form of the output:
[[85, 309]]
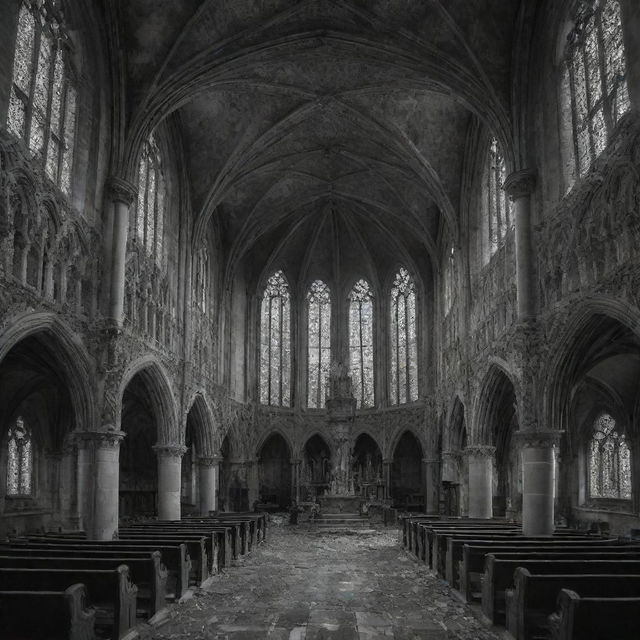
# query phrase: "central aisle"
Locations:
[[307, 586]]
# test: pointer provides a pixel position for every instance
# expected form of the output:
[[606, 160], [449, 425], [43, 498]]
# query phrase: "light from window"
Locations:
[[449, 280], [150, 210], [42, 104], [609, 461], [404, 346], [20, 460], [319, 343], [201, 280], [597, 73], [275, 342], [500, 220], [361, 343]]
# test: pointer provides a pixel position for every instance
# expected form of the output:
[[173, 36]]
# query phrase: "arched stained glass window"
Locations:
[[319, 343], [404, 345], [609, 461], [19, 460], [42, 104], [275, 342], [150, 209], [596, 78], [499, 218], [361, 343]]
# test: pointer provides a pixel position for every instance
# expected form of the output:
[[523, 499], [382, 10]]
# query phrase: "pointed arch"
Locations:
[[202, 421], [318, 342], [361, 343]]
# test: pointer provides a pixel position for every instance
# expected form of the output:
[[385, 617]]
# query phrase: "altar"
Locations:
[[340, 504]]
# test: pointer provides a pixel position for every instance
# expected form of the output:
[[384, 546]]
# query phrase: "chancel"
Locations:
[[319, 319]]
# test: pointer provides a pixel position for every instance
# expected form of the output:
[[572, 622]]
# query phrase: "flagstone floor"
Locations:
[[301, 585]]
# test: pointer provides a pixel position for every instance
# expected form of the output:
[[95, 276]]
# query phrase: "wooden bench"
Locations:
[[61, 615], [594, 618], [533, 598], [111, 592], [498, 576]]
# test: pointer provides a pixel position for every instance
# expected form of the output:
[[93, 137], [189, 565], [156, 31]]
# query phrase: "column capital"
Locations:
[[295, 461], [105, 439], [431, 460], [452, 453], [480, 451], [209, 461], [169, 450], [538, 439], [520, 183], [121, 190]]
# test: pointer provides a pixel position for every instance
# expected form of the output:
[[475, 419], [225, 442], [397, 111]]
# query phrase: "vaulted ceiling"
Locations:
[[294, 113]]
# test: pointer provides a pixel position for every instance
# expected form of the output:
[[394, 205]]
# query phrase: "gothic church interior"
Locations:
[[255, 254]]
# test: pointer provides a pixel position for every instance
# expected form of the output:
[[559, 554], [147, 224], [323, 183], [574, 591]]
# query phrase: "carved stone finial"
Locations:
[[121, 190], [520, 183], [538, 439]]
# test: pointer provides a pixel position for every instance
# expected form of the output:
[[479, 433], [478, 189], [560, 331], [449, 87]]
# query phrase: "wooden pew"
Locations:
[[61, 615], [175, 557], [473, 557], [594, 618], [498, 576], [147, 572], [534, 596], [110, 591]]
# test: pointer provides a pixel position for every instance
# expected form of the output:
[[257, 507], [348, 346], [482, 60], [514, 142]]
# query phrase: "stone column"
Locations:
[[538, 481], [208, 468], [451, 466], [386, 466], [122, 194], [69, 483], [519, 186], [98, 480], [169, 480], [295, 479], [253, 490], [430, 466], [480, 480]]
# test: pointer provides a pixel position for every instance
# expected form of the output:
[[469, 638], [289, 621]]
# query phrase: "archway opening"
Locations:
[[274, 474], [316, 468], [367, 468], [407, 487], [234, 491]]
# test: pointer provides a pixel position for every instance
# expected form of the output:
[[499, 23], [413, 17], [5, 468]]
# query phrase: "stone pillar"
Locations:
[[295, 479], [69, 483], [480, 480], [519, 186], [169, 480], [430, 467], [253, 490], [208, 468], [122, 194], [538, 481], [386, 465], [98, 480], [451, 466], [631, 35]]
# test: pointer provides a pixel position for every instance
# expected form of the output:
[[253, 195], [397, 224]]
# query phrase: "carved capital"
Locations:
[[100, 439], [121, 190], [429, 461], [454, 454], [209, 461], [480, 451], [520, 184], [538, 439], [169, 450]]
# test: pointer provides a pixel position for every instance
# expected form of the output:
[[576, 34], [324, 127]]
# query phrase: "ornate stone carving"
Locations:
[[99, 439], [169, 450], [480, 451], [121, 190], [538, 439], [520, 184], [209, 461]]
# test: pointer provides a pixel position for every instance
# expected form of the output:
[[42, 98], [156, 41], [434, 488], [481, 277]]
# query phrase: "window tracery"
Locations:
[[42, 103], [275, 342], [609, 461], [19, 460], [499, 218], [597, 82], [404, 346], [319, 343], [361, 343]]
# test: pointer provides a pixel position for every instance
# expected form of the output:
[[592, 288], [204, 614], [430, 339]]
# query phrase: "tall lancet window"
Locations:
[[19, 460], [275, 342], [596, 79], [150, 209], [319, 343], [42, 103], [609, 461], [404, 344], [361, 343], [499, 218]]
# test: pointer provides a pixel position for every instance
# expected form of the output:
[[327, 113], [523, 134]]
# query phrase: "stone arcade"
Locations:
[[361, 255]]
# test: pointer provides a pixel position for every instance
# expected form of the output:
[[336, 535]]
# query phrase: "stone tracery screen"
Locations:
[[609, 461], [19, 460], [319, 343], [597, 79], [361, 343], [275, 342], [42, 104], [404, 345]]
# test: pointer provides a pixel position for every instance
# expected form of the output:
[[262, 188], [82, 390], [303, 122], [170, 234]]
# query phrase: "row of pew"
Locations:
[[573, 585], [65, 586]]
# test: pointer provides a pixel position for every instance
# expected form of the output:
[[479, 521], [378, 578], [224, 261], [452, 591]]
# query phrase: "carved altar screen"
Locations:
[[319, 343], [609, 461], [275, 342], [361, 343], [42, 104], [596, 79], [499, 218], [404, 346], [19, 459]]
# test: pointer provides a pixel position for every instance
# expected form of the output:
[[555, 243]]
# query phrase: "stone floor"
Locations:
[[302, 585]]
